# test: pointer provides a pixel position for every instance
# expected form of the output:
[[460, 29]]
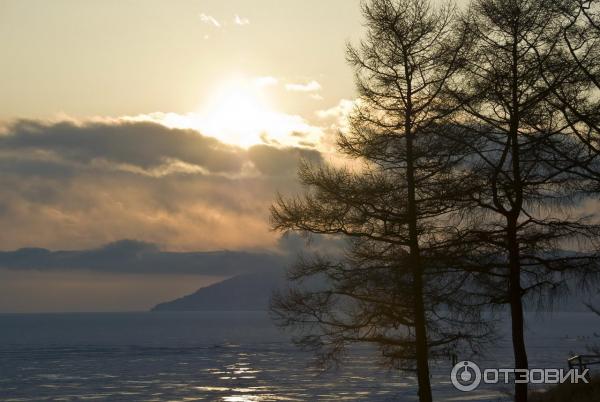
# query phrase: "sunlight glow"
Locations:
[[239, 112]]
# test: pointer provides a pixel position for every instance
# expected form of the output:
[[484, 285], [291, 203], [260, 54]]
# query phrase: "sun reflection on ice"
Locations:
[[244, 386]]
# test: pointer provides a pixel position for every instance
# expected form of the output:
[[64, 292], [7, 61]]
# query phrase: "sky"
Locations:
[[123, 57], [133, 128]]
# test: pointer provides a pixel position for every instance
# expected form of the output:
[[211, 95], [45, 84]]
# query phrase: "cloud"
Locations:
[[137, 257], [144, 145], [311, 86], [337, 116], [339, 112], [210, 20], [215, 23], [275, 161], [75, 185], [241, 20], [250, 127]]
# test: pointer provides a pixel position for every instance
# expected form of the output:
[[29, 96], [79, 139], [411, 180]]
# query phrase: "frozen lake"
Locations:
[[227, 356]]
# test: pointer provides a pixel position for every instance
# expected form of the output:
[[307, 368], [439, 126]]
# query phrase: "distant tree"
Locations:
[[400, 284], [524, 156]]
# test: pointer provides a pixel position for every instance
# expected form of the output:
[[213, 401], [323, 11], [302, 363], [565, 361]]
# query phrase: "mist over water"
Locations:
[[231, 356]]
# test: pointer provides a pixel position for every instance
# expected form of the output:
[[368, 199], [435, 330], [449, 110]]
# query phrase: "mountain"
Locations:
[[242, 292], [252, 292]]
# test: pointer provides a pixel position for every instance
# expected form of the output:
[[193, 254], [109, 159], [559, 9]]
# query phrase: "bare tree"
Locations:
[[400, 284], [581, 36], [524, 155], [577, 96]]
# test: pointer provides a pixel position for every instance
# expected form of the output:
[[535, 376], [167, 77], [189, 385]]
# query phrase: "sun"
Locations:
[[239, 112]]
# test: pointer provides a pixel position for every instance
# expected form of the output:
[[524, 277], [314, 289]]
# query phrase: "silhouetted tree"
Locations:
[[577, 97], [399, 285], [523, 156], [582, 39]]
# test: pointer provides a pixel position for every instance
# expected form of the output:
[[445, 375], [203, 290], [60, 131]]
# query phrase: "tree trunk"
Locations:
[[514, 260], [421, 339], [516, 310], [422, 352]]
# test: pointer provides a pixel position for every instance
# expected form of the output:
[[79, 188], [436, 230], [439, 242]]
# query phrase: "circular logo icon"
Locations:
[[465, 376]]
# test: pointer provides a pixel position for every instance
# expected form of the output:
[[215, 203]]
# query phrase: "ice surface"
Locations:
[[228, 356]]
